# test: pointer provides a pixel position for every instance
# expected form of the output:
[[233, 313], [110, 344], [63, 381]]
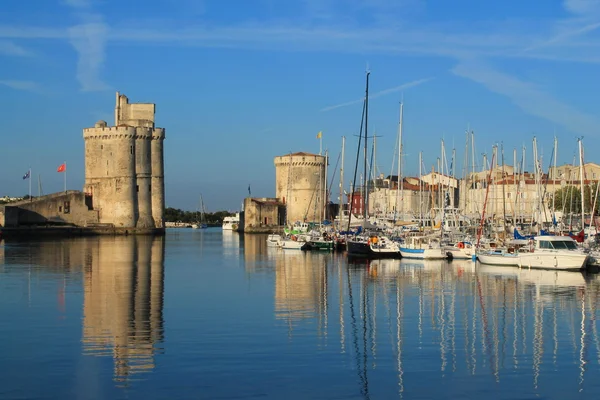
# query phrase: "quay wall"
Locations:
[[64, 208]]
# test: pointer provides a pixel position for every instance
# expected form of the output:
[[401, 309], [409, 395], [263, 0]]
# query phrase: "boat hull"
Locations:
[[564, 262], [423, 254], [293, 245], [363, 249], [326, 245], [508, 260]]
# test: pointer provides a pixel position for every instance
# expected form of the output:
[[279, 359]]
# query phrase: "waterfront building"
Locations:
[[388, 197], [301, 185]]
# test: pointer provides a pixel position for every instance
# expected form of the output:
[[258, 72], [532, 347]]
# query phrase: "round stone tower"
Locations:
[[110, 175], [158, 176], [143, 169], [300, 184]]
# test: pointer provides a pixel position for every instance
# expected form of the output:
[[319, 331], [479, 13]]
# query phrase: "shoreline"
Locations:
[[74, 231]]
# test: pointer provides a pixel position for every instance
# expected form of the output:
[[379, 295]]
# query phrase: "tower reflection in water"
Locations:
[[445, 319], [123, 302]]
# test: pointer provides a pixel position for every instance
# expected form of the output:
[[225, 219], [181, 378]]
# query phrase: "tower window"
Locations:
[[149, 188], [131, 149], [137, 188], [101, 146]]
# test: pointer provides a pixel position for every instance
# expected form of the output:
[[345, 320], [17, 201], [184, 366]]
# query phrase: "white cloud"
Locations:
[[20, 85], [582, 6], [380, 93], [78, 3], [527, 96], [89, 40], [10, 49]]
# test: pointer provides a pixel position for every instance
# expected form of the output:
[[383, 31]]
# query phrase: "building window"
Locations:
[[137, 188], [59, 209], [149, 188], [101, 146], [131, 149], [67, 208], [508, 195]]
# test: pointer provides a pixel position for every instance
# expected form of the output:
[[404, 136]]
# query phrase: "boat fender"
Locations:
[[461, 245], [294, 237]]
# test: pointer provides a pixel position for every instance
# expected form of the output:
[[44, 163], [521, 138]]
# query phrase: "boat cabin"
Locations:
[[555, 243]]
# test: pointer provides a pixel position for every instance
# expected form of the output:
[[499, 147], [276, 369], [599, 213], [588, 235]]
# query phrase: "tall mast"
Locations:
[[420, 190], [554, 178], [325, 197], [523, 166], [581, 183], [536, 169], [366, 149], [503, 191], [465, 173], [515, 175], [342, 182], [399, 194], [472, 170]]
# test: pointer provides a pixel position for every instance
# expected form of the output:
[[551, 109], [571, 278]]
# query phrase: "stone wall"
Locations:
[[262, 213], [69, 208], [300, 183]]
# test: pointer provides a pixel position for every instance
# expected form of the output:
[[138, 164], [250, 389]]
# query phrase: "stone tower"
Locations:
[[300, 184], [124, 171]]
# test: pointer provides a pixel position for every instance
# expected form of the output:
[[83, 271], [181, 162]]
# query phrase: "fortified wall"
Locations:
[[300, 184]]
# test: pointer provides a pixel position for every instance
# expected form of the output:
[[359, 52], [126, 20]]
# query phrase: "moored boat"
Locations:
[[376, 246], [462, 250], [231, 223], [423, 248], [274, 240]]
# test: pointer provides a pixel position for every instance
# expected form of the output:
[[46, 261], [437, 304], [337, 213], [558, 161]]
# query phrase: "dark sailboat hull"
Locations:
[[362, 249]]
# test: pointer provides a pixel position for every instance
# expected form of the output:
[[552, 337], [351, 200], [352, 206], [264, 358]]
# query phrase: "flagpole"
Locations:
[[29, 183], [65, 176]]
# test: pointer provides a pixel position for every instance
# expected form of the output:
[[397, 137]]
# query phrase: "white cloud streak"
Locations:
[[379, 94], [531, 99], [20, 85], [10, 49]]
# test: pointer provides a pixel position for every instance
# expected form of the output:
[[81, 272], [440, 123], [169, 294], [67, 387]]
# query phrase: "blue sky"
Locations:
[[237, 82]]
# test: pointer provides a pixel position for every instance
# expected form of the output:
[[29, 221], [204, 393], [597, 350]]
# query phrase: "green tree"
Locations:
[[568, 199], [189, 217]]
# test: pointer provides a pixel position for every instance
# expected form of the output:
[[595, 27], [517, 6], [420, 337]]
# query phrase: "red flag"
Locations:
[[62, 168]]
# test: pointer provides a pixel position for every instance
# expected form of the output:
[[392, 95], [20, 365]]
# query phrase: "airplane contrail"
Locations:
[[379, 94]]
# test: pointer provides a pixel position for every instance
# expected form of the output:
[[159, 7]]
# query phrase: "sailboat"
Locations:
[[367, 244], [202, 223]]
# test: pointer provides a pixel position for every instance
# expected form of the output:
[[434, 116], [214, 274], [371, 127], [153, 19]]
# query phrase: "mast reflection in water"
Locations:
[[439, 322]]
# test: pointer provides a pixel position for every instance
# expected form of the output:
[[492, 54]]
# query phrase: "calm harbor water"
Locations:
[[217, 315]]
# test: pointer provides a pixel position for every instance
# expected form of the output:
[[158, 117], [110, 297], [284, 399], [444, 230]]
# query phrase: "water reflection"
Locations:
[[123, 302], [473, 319], [300, 285]]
